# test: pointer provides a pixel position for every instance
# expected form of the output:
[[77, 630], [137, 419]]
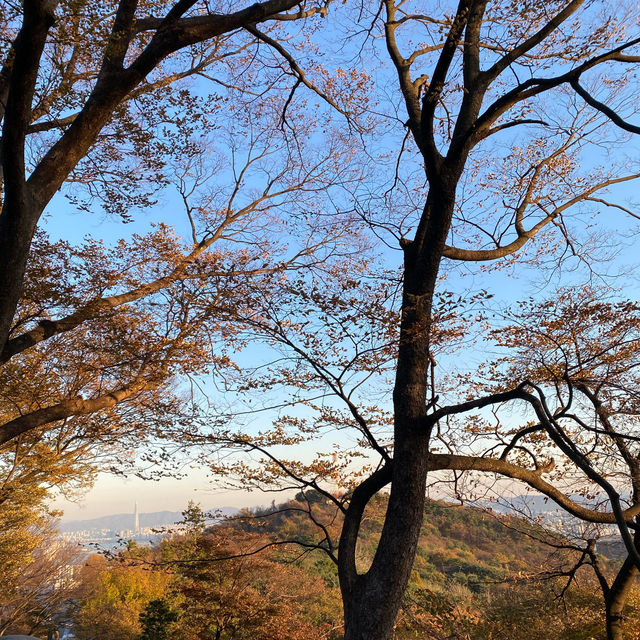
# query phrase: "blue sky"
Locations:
[[114, 494]]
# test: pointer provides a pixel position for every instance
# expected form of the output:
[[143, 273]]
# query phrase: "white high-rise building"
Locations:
[[136, 519]]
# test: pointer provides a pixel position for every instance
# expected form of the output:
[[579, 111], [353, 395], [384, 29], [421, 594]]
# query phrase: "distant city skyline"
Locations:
[[114, 495]]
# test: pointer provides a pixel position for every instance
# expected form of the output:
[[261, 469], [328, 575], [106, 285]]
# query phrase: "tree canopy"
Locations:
[[332, 163]]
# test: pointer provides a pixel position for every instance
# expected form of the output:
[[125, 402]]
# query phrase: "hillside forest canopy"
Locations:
[[336, 197]]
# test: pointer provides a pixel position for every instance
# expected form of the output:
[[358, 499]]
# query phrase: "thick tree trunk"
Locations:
[[16, 232], [372, 605], [617, 598], [18, 217], [372, 600]]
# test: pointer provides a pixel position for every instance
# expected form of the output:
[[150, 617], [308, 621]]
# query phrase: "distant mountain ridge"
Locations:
[[124, 521]]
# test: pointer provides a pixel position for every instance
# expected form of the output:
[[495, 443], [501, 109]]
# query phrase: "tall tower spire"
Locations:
[[136, 519]]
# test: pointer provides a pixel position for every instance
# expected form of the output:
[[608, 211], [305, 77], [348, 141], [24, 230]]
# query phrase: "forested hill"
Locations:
[[478, 576], [473, 546], [477, 572]]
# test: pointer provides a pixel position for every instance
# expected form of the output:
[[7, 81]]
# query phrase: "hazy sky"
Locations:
[[113, 494]]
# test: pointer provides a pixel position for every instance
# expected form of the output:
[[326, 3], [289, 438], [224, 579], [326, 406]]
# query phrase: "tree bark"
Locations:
[[617, 598], [372, 600], [18, 218]]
